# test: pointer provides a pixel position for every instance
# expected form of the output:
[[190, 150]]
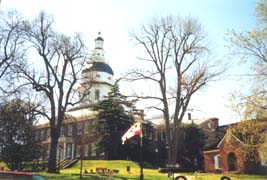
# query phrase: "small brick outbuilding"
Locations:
[[226, 157]]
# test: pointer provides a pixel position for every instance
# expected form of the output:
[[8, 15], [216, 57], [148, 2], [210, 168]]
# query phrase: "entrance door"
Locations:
[[69, 150], [232, 162]]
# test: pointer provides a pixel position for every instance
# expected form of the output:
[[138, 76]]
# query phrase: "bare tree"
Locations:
[[53, 71], [11, 41], [177, 63]]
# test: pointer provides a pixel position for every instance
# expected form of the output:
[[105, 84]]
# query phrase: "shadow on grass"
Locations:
[[85, 177], [98, 177]]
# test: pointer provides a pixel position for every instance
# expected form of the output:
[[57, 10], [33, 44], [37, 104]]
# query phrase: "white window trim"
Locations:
[[217, 160]]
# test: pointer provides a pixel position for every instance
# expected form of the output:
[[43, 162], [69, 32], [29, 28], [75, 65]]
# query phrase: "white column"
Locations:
[[64, 150], [72, 151]]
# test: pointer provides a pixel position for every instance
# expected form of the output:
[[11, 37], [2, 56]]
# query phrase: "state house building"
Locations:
[[77, 130]]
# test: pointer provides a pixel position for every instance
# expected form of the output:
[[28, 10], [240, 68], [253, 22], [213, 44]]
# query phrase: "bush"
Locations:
[[35, 166], [173, 170]]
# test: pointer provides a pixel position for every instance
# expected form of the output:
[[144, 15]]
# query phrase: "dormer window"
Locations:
[[209, 125]]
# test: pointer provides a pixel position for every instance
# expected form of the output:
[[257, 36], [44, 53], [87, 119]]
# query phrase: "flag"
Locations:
[[133, 131]]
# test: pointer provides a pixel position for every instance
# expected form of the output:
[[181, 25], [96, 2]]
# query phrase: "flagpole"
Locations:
[[134, 130], [141, 146]]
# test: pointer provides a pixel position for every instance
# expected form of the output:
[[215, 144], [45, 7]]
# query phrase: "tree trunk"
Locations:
[[52, 161]]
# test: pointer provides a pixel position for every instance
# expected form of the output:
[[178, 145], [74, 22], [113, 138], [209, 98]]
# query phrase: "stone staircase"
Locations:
[[67, 163]]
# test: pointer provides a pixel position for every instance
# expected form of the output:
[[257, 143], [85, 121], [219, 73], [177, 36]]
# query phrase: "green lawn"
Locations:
[[149, 174]]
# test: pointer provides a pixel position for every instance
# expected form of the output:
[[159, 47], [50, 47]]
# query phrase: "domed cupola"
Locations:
[[97, 76], [102, 67]]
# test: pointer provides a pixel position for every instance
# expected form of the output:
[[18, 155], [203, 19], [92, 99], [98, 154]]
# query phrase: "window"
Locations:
[[156, 136], [150, 135], [163, 136], [48, 133], [41, 134], [86, 150], [97, 94], [70, 130], [80, 128], [93, 150], [209, 125], [78, 150], [48, 150], [144, 133], [94, 125], [37, 135], [69, 150], [62, 131], [86, 127]]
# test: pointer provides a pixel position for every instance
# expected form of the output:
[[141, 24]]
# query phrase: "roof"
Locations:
[[212, 147], [100, 67], [221, 140], [229, 134], [99, 39]]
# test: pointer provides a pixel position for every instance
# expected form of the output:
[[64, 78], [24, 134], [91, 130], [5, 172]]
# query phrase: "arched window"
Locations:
[[232, 162], [97, 94]]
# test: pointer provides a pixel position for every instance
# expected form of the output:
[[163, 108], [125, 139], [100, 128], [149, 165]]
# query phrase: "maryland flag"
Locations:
[[134, 130]]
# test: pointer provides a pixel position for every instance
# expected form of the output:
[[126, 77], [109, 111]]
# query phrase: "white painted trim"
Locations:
[[211, 151], [217, 161], [228, 133]]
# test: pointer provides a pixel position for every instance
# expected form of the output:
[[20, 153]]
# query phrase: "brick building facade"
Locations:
[[226, 157], [227, 154]]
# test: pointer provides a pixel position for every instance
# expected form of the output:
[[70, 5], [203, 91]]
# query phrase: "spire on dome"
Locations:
[[99, 41], [99, 38]]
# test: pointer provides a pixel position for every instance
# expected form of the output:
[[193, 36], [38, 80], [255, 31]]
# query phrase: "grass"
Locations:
[[149, 174], [73, 173]]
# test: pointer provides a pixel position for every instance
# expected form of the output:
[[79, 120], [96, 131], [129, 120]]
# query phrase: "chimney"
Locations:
[[189, 116]]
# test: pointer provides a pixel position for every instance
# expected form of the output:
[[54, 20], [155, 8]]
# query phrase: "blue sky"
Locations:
[[116, 18]]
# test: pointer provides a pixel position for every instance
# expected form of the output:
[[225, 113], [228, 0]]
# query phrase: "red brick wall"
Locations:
[[225, 150], [209, 163]]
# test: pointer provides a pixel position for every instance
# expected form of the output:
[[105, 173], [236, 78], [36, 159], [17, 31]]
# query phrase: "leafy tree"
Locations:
[[177, 64], [114, 118], [150, 149], [253, 134], [251, 46], [17, 140], [192, 147], [249, 107]]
